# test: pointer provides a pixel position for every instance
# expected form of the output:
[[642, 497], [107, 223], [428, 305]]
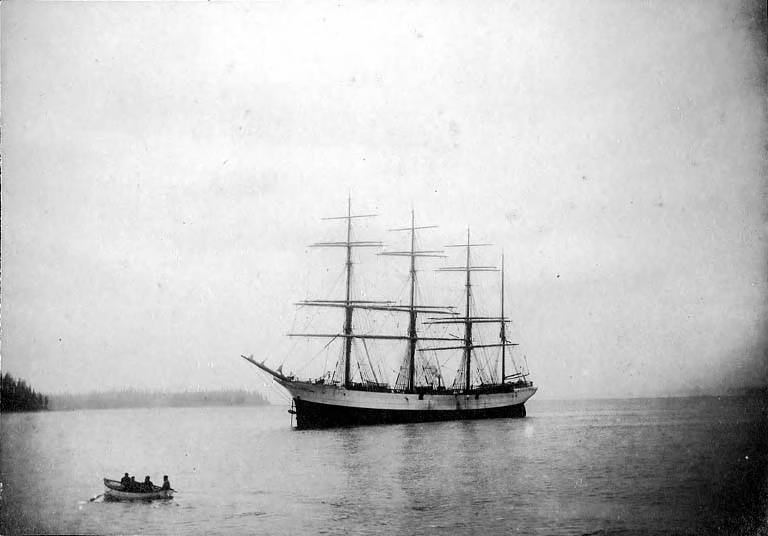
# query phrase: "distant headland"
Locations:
[[16, 395]]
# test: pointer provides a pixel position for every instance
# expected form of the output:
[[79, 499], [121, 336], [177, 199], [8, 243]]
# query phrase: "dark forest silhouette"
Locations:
[[136, 398], [16, 395]]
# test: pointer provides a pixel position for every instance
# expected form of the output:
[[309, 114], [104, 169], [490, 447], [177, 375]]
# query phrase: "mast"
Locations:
[[412, 308], [468, 325], [503, 333], [412, 313], [347, 306], [348, 303], [468, 319]]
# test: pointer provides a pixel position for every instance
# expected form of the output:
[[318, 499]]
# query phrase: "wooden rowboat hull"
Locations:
[[115, 492], [115, 495]]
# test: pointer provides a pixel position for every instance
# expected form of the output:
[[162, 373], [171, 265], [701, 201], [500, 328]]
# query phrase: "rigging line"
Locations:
[[370, 364], [359, 369], [376, 370], [337, 282], [339, 364], [404, 283], [315, 314], [490, 363], [380, 361], [329, 342], [267, 381], [291, 349], [514, 365], [424, 374], [362, 360], [487, 369], [339, 276], [281, 393], [307, 363], [513, 361], [439, 368], [444, 363], [321, 351]]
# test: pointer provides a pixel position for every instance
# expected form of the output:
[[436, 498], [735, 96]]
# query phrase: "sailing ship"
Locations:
[[419, 393]]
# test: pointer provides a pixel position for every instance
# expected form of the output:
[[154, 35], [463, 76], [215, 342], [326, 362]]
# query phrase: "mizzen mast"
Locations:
[[502, 332], [468, 320]]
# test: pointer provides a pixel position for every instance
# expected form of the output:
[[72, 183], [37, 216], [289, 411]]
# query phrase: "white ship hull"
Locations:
[[319, 405]]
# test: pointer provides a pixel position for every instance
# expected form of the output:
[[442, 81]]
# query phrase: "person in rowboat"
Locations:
[[147, 486], [126, 482], [133, 485], [166, 483]]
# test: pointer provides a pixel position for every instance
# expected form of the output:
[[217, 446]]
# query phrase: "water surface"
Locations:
[[661, 466]]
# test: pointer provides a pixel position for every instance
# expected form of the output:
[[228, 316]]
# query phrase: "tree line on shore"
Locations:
[[140, 398], [16, 395]]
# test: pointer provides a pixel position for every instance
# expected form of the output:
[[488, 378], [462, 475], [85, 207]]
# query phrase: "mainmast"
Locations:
[[412, 312], [413, 309], [468, 324]]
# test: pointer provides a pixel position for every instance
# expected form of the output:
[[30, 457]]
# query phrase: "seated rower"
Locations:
[[125, 481], [147, 485], [166, 483], [133, 485]]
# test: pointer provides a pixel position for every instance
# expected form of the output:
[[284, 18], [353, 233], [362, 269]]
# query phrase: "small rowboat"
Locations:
[[116, 492]]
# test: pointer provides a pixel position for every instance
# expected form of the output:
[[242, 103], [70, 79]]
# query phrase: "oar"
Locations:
[[96, 497]]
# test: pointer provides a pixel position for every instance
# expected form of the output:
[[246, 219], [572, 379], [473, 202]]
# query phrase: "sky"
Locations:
[[165, 166]]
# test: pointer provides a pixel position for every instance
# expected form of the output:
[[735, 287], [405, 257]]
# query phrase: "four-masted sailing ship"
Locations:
[[415, 397]]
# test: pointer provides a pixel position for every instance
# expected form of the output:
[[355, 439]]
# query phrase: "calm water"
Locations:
[[674, 466]]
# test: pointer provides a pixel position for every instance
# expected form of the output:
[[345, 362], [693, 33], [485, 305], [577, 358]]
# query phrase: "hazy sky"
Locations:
[[166, 164]]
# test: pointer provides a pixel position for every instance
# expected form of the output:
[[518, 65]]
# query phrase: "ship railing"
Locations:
[[370, 386]]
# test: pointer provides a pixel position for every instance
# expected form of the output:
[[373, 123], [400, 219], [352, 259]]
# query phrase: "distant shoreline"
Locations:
[[736, 393], [138, 399]]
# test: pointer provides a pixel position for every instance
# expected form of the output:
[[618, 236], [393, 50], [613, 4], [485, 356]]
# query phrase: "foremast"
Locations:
[[348, 303]]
